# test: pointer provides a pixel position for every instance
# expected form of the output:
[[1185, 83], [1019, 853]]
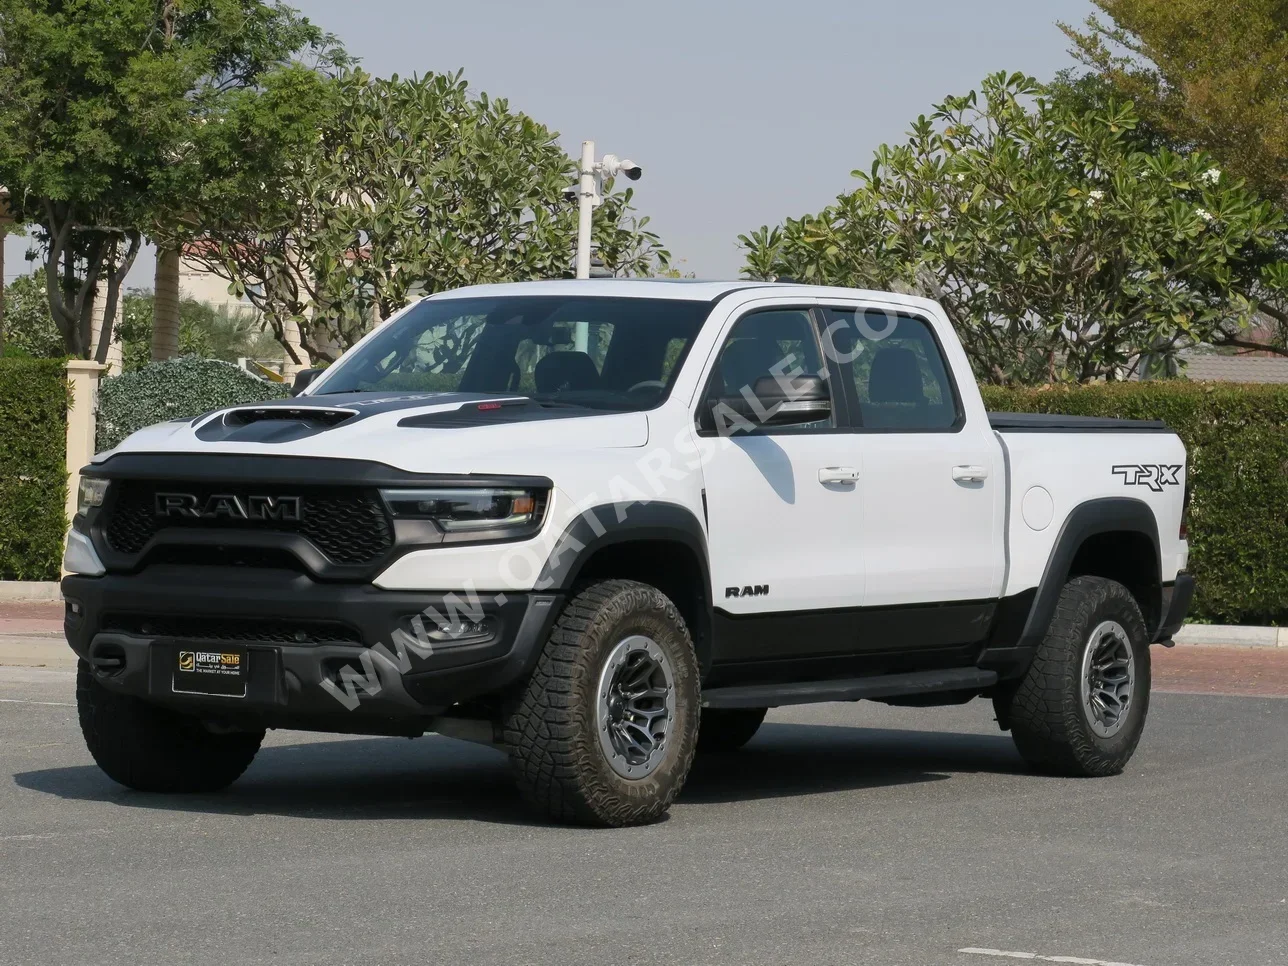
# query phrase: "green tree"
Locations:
[[29, 328], [1059, 249], [413, 186], [110, 116], [1268, 331], [205, 331], [1211, 74]]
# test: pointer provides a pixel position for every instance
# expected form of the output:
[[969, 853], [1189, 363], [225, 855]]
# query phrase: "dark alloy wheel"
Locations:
[[1080, 709], [605, 729]]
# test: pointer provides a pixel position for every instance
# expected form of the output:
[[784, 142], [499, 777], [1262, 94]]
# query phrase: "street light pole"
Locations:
[[590, 184], [587, 197], [590, 195]]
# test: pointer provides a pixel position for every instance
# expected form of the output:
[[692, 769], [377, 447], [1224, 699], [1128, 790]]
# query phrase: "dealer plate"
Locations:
[[222, 672]]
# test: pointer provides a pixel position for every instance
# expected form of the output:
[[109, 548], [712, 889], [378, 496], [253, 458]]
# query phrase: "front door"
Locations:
[[783, 509]]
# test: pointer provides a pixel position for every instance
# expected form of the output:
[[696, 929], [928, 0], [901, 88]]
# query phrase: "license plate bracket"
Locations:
[[219, 671]]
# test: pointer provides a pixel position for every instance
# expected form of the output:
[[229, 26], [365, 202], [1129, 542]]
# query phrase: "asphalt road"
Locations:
[[851, 834]]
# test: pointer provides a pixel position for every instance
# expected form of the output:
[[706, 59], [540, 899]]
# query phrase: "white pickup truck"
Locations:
[[603, 525]]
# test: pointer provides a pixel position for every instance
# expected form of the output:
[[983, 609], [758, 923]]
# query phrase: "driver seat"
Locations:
[[566, 370]]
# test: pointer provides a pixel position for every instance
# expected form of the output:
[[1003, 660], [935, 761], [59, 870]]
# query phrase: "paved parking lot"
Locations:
[[842, 834]]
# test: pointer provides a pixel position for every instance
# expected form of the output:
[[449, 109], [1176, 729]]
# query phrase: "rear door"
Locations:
[[932, 480]]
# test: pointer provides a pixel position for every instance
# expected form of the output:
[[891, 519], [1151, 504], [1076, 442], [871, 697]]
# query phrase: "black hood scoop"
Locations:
[[287, 420], [271, 424]]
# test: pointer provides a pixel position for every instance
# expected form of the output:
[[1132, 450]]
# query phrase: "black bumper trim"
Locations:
[[386, 678], [1176, 606]]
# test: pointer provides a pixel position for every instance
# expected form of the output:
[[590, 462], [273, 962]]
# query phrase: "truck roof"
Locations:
[[656, 288], [689, 289]]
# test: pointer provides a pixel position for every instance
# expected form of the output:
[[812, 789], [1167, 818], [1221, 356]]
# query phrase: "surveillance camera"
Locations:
[[613, 166], [571, 193]]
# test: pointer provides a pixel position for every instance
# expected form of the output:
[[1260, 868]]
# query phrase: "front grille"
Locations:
[[348, 524], [233, 630]]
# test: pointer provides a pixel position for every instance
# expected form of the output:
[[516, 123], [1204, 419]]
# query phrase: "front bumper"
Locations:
[[300, 636]]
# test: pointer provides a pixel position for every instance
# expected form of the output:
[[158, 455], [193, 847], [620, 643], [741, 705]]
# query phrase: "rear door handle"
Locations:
[[838, 474], [970, 474]]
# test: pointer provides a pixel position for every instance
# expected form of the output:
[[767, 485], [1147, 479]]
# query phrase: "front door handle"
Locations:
[[838, 474], [970, 474]]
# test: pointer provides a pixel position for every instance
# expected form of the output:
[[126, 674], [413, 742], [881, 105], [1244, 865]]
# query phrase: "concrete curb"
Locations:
[[25, 590], [36, 650], [1231, 635]]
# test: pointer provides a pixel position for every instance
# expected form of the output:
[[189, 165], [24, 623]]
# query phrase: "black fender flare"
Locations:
[[1107, 515], [611, 524]]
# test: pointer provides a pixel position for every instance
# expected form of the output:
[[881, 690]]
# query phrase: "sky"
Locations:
[[741, 112]]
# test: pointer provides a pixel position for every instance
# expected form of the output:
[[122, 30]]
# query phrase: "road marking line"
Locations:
[[47, 704], [1008, 954]]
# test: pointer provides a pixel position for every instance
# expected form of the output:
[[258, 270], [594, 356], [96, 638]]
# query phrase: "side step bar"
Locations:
[[848, 689]]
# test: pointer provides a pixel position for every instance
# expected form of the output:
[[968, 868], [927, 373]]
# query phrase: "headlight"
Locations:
[[463, 509], [92, 493]]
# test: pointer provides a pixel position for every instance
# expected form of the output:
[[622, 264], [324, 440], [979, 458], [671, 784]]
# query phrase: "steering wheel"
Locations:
[[647, 384]]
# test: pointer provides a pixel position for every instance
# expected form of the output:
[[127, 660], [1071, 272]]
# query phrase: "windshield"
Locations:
[[603, 353]]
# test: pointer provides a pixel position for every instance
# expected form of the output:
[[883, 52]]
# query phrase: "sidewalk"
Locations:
[[1210, 669], [31, 635]]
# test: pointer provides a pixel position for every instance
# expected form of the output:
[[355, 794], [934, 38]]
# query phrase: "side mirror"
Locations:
[[303, 379], [775, 402]]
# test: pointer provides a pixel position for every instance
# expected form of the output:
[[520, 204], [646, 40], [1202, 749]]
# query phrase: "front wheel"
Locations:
[[605, 729], [152, 749], [1080, 709]]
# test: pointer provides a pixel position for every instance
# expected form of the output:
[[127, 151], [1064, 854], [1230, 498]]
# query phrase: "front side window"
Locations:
[[778, 343], [901, 380], [615, 354]]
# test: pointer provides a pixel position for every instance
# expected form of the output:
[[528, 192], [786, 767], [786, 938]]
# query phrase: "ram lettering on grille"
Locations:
[[230, 506]]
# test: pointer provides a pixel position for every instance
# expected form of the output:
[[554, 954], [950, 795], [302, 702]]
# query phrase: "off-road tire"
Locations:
[[1050, 727], [550, 728], [728, 729], [153, 749]]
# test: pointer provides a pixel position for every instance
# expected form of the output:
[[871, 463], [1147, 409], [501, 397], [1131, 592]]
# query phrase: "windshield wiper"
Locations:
[[572, 404]]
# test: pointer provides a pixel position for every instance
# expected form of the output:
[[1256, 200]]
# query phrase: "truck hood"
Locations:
[[416, 432]]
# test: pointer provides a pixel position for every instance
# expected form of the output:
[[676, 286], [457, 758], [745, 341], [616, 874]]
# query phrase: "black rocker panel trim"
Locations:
[[850, 631]]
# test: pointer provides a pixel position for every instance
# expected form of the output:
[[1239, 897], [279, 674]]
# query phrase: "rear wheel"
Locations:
[[728, 729], [1081, 707], [605, 730], [152, 749]]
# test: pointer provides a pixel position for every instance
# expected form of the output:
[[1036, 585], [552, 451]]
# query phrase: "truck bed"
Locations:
[[1047, 423]]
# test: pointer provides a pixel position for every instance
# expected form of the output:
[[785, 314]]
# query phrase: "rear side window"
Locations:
[[901, 379]]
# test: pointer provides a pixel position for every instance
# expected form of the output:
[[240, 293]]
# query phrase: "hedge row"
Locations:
[[178, 389], [33, 467], [1237, 438]]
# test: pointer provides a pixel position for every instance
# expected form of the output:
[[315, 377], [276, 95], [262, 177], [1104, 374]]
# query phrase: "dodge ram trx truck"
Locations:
[[603, 526]]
